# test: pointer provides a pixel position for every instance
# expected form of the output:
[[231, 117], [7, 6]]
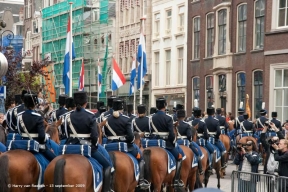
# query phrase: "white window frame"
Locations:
[[253, 92], [168, 67], [181, 16], [157, 24], [237, 91], [193, 92], [275, 17], [286, 15], [29, 9], [206, 91], [272, 97], [199, 35], [254, 27], [226, 31], [213, 37], [28, 41], [180, 80], [168, 23], [157, 68], [238, 27]]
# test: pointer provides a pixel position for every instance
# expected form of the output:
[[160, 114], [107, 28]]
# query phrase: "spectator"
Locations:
[[281, 155], [285, 129], [2, 129], [270, 164], [248, 160], [228, 116]]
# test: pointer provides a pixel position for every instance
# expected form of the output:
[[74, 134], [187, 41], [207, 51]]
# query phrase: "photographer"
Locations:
[[281, 155], [248, 160]]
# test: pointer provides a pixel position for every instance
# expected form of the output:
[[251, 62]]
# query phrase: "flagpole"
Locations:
[[98, 80], [142, 31], [135, 86], [70, 52]]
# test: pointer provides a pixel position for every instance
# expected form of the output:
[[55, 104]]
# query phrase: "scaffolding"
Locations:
[[92, 21]]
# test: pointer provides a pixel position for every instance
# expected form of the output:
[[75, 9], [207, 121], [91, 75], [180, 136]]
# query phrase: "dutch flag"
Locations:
[[81, 79], [141, 58], [99, 77], [66, 69], [132, 78], [118, 78]]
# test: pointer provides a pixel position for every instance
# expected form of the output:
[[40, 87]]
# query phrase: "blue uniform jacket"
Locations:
[[213, 126], [249, 126], [262, 119], [238, 120], [84, 122], [59, 112], [142, 123], [121, 126], [164, 123], [277, 123], [202, 129], [222, 122], [33, 123], [184, 129]]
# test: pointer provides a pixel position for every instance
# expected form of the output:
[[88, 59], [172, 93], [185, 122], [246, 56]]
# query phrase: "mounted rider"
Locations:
[[202, 134], [110, 107], [247, 127], [99, 104], [8, 115], [118, 129], [81, 128], [162, 128], [130, 114], [141, 123], [153, 110], [222, 121], [30, 125], [260, 122], [70, 105], [276, 121], [213, 129], [185, 132]]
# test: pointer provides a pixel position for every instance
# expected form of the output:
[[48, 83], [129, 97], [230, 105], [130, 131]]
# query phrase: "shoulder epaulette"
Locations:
[[37, 114], [216, 119], [202, 120], [89, 112], [20, 113]]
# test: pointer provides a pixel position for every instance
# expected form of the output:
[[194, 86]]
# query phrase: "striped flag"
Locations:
[[66, 69], [81, 79], [141, 58], [99, 77], [118, 78], [132, 78]]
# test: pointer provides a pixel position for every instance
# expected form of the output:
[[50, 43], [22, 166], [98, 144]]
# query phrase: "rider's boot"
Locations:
[[143, 183], [177, 182], [201, 172], [223, 162], [107, 180]]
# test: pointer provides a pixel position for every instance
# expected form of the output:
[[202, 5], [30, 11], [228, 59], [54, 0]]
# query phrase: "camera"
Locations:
[[271, 142]]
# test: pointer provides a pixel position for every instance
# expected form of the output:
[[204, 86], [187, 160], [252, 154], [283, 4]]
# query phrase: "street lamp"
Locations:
[[9, 36]]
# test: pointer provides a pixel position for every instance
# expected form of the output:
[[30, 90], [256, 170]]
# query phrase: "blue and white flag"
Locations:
[[99, 77], [132, 78], [141, 58], [66, 69]]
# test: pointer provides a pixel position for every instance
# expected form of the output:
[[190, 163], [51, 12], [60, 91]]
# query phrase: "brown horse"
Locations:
[[20, 167], [226, 142], [75, 165]]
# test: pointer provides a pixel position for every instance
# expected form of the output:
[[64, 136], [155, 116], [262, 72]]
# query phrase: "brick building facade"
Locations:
[[236, 48]]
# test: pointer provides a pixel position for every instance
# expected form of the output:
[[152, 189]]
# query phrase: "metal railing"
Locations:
[[254, 182]]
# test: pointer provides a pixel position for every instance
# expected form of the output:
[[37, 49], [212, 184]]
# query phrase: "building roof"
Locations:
[[15, 8]]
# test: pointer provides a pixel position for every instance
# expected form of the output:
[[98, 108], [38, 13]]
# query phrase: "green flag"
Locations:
[[104, 71]]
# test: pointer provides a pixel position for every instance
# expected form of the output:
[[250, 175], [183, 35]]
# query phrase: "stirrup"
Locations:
[[144, 184], [179, 183], [201, 172]]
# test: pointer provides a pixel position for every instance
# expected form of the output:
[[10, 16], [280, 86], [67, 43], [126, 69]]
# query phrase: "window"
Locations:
[[19, 30], [157, 68], [157, 24], [180, 65], [35, 26], [168, 21], [28, 9], [209, 91], [258, 91], [222, 31], [283, 13], [196, 88], [168, 66], [259, 23], [241, 88], [242, 23], [280, 93], [196, 40], [210, 34], [28, 41], [181, 18]]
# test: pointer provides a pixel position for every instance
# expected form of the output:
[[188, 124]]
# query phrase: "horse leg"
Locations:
[[206, 178], [218, 175], [192, 179]]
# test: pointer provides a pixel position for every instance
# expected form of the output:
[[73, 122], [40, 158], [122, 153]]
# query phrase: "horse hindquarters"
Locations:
[[4, 173]]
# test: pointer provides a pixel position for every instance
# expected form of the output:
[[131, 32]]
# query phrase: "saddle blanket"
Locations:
[[218, 153], [118, 146], [43, 163], [13, 136], [153, 143], [97, 173], [184, 142], [195, 161], [84, 150], [136, 166], [246, 135], [271, 134], [29, 145], [2, 147], [210, 158], [171, 161], [63, 141]]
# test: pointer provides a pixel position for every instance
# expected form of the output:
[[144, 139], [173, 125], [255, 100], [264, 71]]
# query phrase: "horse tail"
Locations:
[[146, 157], [58, 174], [4, 173]]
